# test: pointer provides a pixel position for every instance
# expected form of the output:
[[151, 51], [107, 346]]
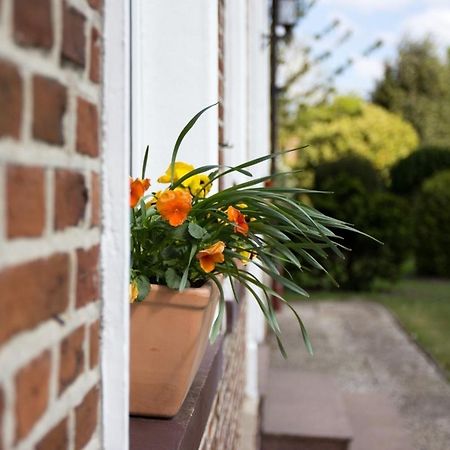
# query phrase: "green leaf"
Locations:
[[173, 280], [144, 164], [143, 286], [186, 270], [196, 231], [180, 138]]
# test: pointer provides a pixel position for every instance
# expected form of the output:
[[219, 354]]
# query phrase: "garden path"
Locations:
[[363, 347]]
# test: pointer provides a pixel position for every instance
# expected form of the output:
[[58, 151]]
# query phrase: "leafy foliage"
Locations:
[[182, 238], [432, 226], [350, 126], [382, 215], [417, 86], [408, 174]]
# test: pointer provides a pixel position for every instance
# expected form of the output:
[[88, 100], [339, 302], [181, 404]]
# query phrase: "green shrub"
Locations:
[[359, 198], [432, 226], [352, 166], [409, 173]]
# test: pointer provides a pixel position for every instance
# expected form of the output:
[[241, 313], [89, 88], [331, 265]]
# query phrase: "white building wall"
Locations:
[[258, 82], [247, 125], [174, 75]]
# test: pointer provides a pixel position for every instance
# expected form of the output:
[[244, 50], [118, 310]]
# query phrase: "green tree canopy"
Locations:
[[417, 86], [349, 125]]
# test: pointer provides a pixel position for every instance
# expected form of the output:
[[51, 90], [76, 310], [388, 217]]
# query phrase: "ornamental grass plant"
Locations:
[[184, 236]]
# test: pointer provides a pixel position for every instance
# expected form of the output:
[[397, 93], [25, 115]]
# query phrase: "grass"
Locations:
[[421, 306]]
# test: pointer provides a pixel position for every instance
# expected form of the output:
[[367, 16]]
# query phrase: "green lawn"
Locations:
[[421, 306]]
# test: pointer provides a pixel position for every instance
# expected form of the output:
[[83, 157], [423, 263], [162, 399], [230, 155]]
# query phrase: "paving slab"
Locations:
[[361, 345], [304, 405], [376, 423]]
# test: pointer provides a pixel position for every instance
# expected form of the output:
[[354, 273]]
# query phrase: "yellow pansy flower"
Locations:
[[180, 169], [198, 185]]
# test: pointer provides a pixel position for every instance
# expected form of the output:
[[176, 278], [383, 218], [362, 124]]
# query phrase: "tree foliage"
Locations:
[[417, 86], [432, 226], [349, 125]]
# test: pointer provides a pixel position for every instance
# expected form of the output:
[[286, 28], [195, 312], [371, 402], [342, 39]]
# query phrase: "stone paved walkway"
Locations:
[[363, 347]]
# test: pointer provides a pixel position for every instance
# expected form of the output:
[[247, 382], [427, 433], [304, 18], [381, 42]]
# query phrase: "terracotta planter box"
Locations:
[[169, 333]]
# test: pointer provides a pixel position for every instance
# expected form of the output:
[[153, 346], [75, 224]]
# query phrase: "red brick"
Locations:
[[88, 279], [94, 344], [49, 107], [32, 293], [94, 72], [87, 128], [33, 23], [11, 87], [71, 358], [56, 439], [86, 418], [32, 392], [70, 198], [95, 200], [96, 4], [25, 197], [74, 39]]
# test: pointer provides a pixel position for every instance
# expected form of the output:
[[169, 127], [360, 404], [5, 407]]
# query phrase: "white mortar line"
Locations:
[[2, 207], [28, 344], [9, 416], [71, 430], [54, 375], [69, 399], [35, 153], [19, 250]]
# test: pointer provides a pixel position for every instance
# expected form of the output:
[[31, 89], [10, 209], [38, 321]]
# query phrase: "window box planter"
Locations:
[[168, 337]]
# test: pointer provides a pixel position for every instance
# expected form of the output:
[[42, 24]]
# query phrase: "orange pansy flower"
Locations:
[[210, 256], [240, 224], [174, 206], [137, 188]]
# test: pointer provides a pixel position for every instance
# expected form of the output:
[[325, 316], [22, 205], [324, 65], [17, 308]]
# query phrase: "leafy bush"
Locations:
[[358, 198], [349, 125], [353, 166], [408, 174], [432, 226]]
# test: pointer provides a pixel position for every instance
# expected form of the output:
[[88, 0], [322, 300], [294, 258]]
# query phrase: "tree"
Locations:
[[348, 125], [417, 86]]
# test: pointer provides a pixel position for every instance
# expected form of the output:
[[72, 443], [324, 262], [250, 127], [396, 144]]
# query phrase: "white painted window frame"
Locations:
[[115, 233]]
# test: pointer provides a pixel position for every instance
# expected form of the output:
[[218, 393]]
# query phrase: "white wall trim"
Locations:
[[115, 236], [175, 73]]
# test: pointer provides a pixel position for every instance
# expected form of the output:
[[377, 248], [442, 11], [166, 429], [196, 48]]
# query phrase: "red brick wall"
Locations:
[[49, 223]]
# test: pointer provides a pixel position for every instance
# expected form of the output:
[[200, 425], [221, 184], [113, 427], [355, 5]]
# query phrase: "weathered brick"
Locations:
[[11, 87], [94, 344], [32, 293], [49, 107], [71, 358], [56, 439], [86, 418], [95, 200], [94, 71], [96, 4], [87, 275], [33, 23], [70, 198], [87, 128], [74, 39], [32, 393], [25, 198]]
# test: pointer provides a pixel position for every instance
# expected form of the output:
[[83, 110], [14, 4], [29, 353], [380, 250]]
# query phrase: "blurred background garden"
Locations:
[[373, 106]]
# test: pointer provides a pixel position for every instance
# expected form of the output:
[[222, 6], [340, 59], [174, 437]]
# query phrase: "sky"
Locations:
[[369, 20]]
